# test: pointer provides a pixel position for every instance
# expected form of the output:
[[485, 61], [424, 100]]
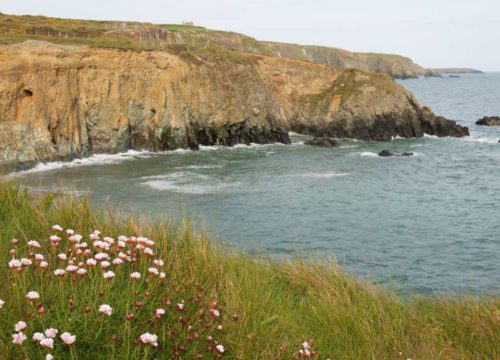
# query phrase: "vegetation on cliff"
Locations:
[[184, 296], [146, 36]]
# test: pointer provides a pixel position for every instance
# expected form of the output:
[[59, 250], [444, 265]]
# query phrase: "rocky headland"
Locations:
[[63, 101]]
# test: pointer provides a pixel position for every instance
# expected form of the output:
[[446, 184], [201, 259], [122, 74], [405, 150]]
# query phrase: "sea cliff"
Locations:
[[63, 101]]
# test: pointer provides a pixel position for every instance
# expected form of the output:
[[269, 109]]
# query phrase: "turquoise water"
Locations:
[[428, 223]]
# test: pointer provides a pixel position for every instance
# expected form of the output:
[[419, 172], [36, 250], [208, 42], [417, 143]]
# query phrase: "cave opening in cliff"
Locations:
[[27, 92]]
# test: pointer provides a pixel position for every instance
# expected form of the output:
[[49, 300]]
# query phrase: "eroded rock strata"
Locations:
[[61, 101]]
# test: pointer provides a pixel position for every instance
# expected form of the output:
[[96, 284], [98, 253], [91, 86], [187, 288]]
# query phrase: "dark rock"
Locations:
[[324, 142], [385, 153], [489, 121]]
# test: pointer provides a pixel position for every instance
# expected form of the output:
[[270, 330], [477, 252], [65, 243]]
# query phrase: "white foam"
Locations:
[[176, 175], [483, 140], [94, 160], [167, 185], [324, 175], [427, 136], [368, 154], [196, 167]]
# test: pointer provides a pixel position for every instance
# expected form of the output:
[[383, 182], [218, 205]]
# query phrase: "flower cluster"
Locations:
[[188, 326]]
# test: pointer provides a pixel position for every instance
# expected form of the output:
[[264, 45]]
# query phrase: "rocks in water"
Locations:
[[387, 153], [324, 142], [489, 121]]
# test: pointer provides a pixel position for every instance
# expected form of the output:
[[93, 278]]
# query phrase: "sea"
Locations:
[[425, 224]]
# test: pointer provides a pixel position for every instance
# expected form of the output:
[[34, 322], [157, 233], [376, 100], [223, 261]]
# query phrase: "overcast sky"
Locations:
[[434, 33]]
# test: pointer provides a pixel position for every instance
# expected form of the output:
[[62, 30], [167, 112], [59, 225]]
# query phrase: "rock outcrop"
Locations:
[[489, 121], [323, 142], [62, 101], [387, 153]]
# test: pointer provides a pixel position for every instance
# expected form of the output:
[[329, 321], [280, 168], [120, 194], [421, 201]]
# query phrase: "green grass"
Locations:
[[278, 304]]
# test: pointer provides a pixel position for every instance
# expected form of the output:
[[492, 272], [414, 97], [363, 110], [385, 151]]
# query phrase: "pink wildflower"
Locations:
[[67, 338], [135, 275], [2, 303], [59, 272], [57, 228], [105, 309], [51, 332], [220, 348], [32, 295], [109, 275], [38, 336], [150, 339], [47, 343], [19, 338], [20, 326], [34, 244]]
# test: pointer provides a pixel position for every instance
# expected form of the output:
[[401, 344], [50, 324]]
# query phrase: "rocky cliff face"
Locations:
[[61, 101]]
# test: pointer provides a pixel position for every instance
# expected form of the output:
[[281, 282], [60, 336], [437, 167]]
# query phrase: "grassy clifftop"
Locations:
[[202, 296], [146, 36]]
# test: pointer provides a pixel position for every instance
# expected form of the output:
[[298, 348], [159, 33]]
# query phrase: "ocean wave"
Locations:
[[324, 175], [176, 175], [196, 167], [483, 140], [368, 154], [94, 160], [427, 136], [195, 189]]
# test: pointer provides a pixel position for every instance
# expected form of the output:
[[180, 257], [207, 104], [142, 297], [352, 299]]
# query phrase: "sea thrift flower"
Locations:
[[109, 275], [105, 264], [47, 343], [19, 338], [153, 271], [101, 256], [67, 338], [71, 268], [81, 272], [91, 262], [51, 332], [44, 264], [49, 357], [38, 336], [26, 262], [220, 349], [159, 313], [2, 303], [215, 313], [32, 295], [34, 244], [105, 309], [180, 306], [70, 232], [158, 262], [39, 257], [20, 326], [57, 228], [15, 264], [135, 276], [150, 339], [117, 261], [162, 275], [59, 272], [149, 251], [55, 240], [62, 257], [14, 242]]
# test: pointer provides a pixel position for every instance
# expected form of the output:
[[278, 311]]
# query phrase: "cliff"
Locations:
[[61, 101], [456, 71], [145, 36]]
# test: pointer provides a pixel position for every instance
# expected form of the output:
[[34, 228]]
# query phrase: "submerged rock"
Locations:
[[387, 153], [489, 121], [324, 142]]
